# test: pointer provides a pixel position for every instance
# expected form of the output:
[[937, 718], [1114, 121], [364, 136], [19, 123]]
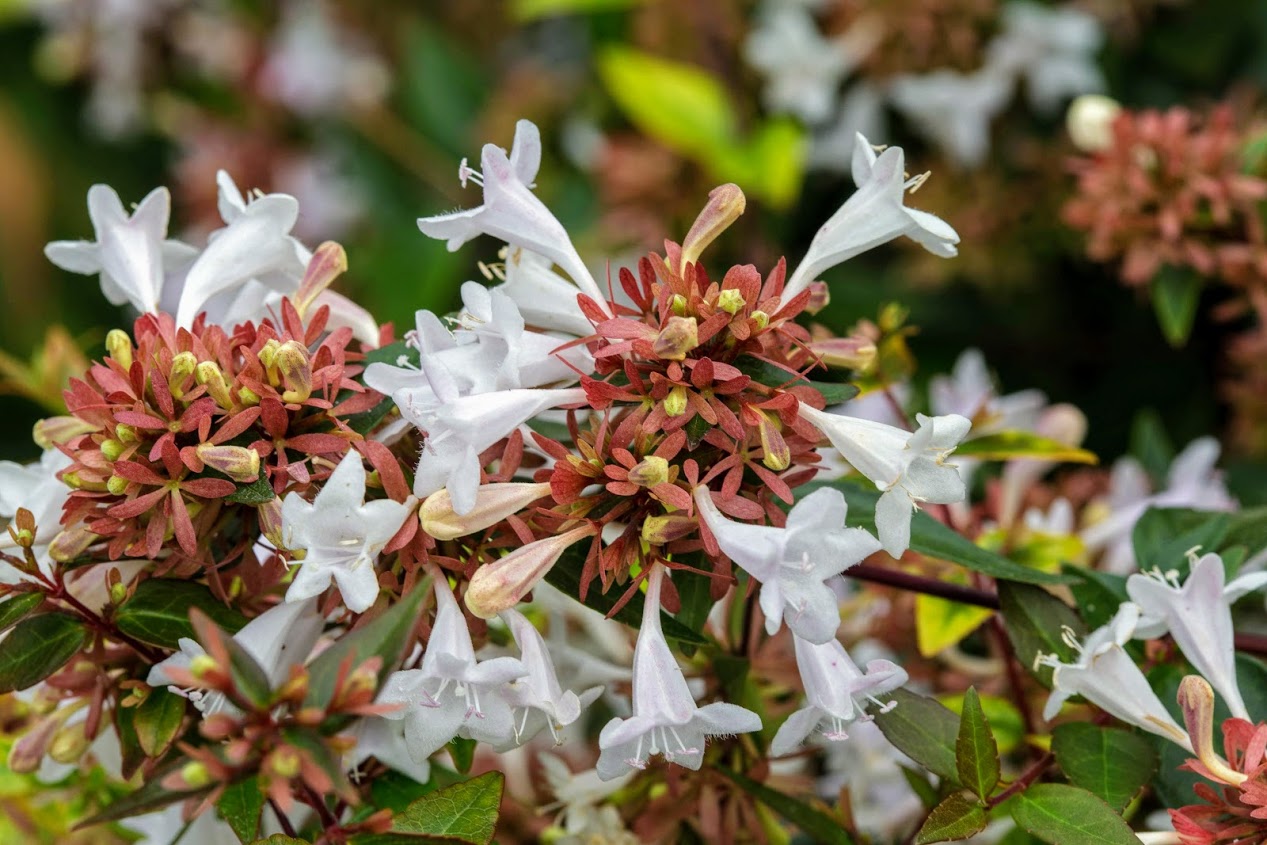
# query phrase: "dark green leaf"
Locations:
[[395, 790], [13, 610], [462, 750], [921, 786], [386, 636], [1108, 762], [771, 376], [566, 576], [930, 537], [923, 729], [1151, 445], [1176, 292], [1163, 536], [1098, 595], [465, 812], [257, 492], [976, 752], [158, 612], [694, 590], [281, 839], [157, 720], [1067, 815], [240, 805], [130, 752], [813, 823], [961, 815], [1035, 621], [37, 647]]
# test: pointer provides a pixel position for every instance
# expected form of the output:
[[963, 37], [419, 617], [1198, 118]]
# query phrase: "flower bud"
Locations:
[[292, 361], [268, 353], [500, 585], [119, 347], [777, 456], [23, 528], [70, 544], [284, 762], [202, 666], [210, 374], [112, 449], [238, 462], [1196, 698], [118, 593], [854, 352], [760, 319], [247, 396], [679, 336], [270, 517], [52, 431], [658, 530], [675, 402], [725, 204], [195, 775], [650, 471], [329, 261], [125, 433], [1089, 122], [493, 503], [677, 305], [731, 301], [819, 297], [183, 366], [116, 485], [69, 744]]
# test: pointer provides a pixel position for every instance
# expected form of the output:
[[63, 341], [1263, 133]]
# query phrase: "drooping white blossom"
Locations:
[[1198, 615], [579, 797], [837, 693], [666, 719], [546, 300], [341, 534], [908, 467], [794, 562], [873, 215], [34, 487]]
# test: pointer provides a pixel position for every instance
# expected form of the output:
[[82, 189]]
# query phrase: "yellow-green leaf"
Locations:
[[1008, 445], [530, 10], [961, 815], [941, 623]]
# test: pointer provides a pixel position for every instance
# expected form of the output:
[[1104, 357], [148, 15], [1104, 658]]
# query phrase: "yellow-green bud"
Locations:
[[49, 432], [292, 361], [675, 402], [285, 763], [116, 485], [195, 774], [731, 301], [658, 530], [650, 471], [247, 396], [69, 744], [678, 305], [119, 347], [203, 665], [777, 456], [761, 318], [268, 353], [118, 593], [112, 449], [210, 374], [679, 336], [238, 462], [126, 433], [183, 366]]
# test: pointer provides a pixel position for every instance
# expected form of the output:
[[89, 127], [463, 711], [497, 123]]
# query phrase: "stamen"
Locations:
[[466, 172]]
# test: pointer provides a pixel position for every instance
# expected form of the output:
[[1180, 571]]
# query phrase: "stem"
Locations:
[[1022, 783], [101, 625], [1014, 680], [287, 827], [920, 584]]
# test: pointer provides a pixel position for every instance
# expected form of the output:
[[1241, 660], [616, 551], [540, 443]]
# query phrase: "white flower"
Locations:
[[861, 112], [794, 562], [909, 467], [837, 692], [954, 110], [511, 212], [1053, 48], [1199, 617], [583, 817], [384, 740], [872, 216], [802, 69], [1089, 122], [342, 534], [1105, 675], [537, 699], [280, 637], [254, 245], [545, 299], [1192, 481], [130, 252], [665, 717], [169, 827], [36, 488], [452, 693]]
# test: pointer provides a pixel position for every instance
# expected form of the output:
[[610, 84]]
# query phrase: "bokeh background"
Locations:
[[364, 111]]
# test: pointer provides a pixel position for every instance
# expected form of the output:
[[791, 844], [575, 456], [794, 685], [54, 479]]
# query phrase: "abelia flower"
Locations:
[[793, 563], [36, 488], [837, 693], [666, 719], [546, 300], [341, 534], [953, 109], [908, 467], [1053, 48], [802, 69]]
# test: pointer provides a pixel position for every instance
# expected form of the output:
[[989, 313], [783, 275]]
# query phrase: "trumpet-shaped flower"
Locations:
[[342, 534], [665, 717], [954, 110], [130, 252], [1198, 615], [37, 488], [545, 299], [909, 467], [384, 740], [1053, 48], [1105, 675], [537, 699], [802, 68], [792, 563], [837, 692], [452, 693], [511, 212], [280, 637], [873, 215]]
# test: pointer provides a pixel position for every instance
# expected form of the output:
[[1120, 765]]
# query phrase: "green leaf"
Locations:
[[131, 755], [1151, 445], [923, 729], [1163, 536], [941, 623], [281, 839], [240, 805], [465, 812], [1176, 292], [813, 823], [1035, 621], [150, 797], [386, 637], [763, 372], [395, 790], [1108, 762], [929, 537], [961, 815], [157, 720], [920, 785], [257, 492], [462, 751], [566, 576], [530, 10], [158, 612], [37, 647], [1067, 815], [13, 610], [1005, 720], [976, 752], [1097, 594], [1008, 445]]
